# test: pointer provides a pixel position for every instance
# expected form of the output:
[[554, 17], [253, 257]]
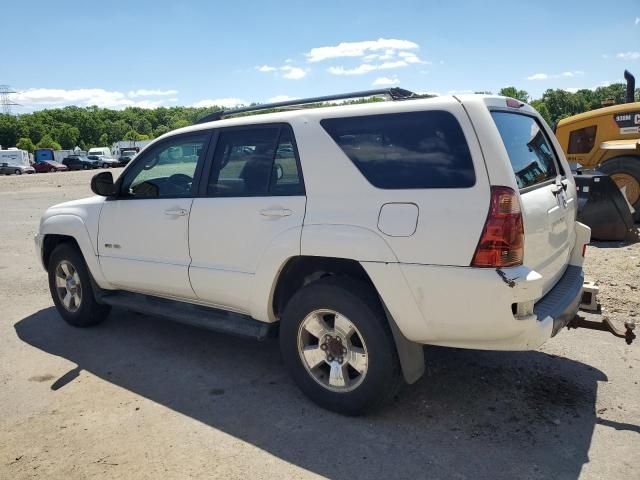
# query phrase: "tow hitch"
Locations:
[[605, 325], [590, 304]]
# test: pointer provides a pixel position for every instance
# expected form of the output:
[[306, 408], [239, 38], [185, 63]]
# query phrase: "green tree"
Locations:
[[48, 142], [513, 92], [161, 130], [103, 141], [68, 136], [8, 130], [542, 109], [25, 143]]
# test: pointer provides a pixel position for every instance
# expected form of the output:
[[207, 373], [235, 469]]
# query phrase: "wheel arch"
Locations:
[[67, 228], [303, 270]]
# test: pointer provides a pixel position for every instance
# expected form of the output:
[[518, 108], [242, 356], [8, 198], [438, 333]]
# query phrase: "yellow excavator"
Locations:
[[606, 139]]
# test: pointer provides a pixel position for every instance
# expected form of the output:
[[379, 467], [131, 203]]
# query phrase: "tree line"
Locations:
[[68, 127]]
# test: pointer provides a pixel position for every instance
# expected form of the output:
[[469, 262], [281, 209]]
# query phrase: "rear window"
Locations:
[[582, 140], [406, 150], [532, 158]]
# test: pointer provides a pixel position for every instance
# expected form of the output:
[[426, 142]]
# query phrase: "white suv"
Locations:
[[358, 233]]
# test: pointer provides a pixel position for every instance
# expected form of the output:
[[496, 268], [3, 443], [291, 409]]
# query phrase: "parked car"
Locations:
[[8, 169], [79, 162], [126, 156], [358, 233], [101, 151], [49, 166], [103, 161]]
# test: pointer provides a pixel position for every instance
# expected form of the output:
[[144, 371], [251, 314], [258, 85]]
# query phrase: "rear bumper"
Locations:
[[474, 308], [562, 302]]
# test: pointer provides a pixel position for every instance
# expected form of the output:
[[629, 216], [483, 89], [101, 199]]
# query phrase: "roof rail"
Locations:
[[395, 94]]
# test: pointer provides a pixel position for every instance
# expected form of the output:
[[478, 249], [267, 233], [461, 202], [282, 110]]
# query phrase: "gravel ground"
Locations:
[[138, 397]]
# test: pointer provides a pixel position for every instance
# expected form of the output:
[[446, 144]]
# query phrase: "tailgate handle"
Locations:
[[176, 212], [275, 212]]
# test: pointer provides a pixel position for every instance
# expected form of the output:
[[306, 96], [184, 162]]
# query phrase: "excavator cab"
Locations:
[[606, 142]]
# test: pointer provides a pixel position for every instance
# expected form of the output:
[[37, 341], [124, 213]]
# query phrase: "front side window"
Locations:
[[255, 161], [530, 153], [582, 140], [406, 150], [167, 170]]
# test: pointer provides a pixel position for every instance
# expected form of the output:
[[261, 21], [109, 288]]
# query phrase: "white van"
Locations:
[[100, 151]]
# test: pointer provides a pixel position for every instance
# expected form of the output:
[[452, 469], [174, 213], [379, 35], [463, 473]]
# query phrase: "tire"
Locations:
[[18, 172], [627, 168], [104, 165], [85, 312], [356, 303]]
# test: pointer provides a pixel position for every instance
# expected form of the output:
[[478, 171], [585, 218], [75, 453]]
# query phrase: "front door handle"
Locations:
[[176, 212], [275, 212]]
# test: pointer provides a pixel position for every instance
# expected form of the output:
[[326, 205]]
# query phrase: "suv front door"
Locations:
[[143, 235], [252, 197]]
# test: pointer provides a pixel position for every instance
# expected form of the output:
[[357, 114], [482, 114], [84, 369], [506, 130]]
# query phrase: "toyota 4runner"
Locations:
[[358, 233]]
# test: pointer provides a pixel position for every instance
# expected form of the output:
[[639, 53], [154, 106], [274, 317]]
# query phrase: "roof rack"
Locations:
[[395, 94]]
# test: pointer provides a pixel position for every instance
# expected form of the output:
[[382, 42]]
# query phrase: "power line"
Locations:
[[5, 100]]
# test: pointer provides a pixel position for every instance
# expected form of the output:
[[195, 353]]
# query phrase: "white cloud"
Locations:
[[359, 49], [280, 98], [290, 72], [628, 55], [56, 97], [386, 81], [226, 102], [359, 70], [572, 89], [366, 68], [411, 57], [289, 60], [546, 76], [637, 21], [293, 73], [151, 93]]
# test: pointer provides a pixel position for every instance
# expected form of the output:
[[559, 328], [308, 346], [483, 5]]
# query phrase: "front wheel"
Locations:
[[337, 345], [18, 172], [71, 288], [625, 172]]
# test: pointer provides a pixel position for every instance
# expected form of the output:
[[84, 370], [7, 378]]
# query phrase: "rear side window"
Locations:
[[406, 150], [582, 140], [532, 158]]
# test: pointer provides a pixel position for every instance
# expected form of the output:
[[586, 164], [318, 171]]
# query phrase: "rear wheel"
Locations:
[[337, 346], [71, 288], [18, 172], [625, 172]]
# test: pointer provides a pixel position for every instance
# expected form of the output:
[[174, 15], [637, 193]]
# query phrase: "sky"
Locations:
[[199, 53]]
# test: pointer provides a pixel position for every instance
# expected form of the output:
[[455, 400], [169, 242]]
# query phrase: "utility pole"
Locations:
[[5, 100]]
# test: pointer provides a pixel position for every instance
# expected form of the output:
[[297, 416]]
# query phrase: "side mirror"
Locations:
[[102, 184]]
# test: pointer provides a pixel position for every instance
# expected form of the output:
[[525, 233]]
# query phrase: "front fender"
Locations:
[[73, 226]]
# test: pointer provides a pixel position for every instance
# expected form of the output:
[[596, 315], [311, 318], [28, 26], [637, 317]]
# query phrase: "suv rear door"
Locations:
[[547, 192], [251, 198]]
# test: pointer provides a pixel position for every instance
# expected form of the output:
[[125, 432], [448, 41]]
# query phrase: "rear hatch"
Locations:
[[547, 195]]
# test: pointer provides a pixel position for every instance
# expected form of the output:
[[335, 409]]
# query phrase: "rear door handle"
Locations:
[[176, 212], [275, 212]]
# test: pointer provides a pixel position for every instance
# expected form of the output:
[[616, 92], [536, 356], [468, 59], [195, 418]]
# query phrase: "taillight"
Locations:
[[502, 241]]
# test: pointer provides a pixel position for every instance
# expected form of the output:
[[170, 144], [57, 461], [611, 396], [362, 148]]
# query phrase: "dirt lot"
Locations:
[[138, 397]]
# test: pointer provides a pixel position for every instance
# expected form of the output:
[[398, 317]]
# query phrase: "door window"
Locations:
[[167, 170], [255, 161]]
